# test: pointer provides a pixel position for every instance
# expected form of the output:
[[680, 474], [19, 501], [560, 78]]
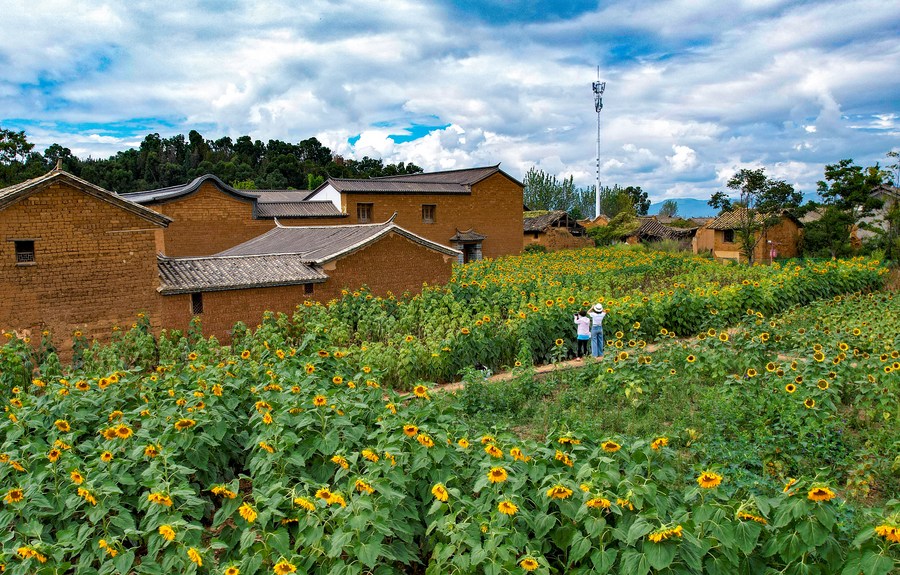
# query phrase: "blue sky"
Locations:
[[695, 89]]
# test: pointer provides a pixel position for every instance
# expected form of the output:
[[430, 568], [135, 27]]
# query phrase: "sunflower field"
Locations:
[[495, 313], [288, 452]]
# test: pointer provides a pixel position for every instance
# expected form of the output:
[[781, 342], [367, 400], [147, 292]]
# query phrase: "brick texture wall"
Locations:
[[209, 221], [494, 209], [555, 239], [392, 264], [95, 265]]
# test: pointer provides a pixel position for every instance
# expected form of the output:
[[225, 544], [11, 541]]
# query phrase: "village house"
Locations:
[[651, 229], [291, 264], [209, 216], [76, 256], [554, 230], [720, 238], [477, 211]]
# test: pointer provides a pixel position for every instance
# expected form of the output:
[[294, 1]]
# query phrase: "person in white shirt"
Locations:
[[583, 324], [597, 314]]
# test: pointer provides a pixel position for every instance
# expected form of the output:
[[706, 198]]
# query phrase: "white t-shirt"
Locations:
[[597, 318]]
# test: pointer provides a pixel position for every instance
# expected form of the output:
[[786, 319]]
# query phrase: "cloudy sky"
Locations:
[[695, 89]]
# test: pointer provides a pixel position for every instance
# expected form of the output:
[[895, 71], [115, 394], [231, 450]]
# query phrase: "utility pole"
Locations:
[[599, 87]]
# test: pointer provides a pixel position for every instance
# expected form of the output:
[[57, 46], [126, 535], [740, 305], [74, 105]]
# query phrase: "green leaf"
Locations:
[[280, 542], [746, 534], [123, 561], [543, 524], [634, 563], [637, 530], [339, 540], [660, 555], [603, 560], [875, 564], [580, 546], [369, 553]]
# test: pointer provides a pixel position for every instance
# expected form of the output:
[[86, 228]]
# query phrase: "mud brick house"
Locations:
[[554, 230], [75, 256], [720, 238], [209, 216], [289, 264], [477, 211]]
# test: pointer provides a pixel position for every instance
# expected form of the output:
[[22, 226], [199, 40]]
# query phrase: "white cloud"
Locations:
[[683, 159], [695, 88]]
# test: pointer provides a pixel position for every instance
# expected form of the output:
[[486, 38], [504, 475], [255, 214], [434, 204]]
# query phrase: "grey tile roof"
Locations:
[[469, 235], [216, 273], [173, 192], [267, 203], [310, 209], [320, 244], [465, 177], [279, 195], [397, 187], [446, 182], [12, 194]]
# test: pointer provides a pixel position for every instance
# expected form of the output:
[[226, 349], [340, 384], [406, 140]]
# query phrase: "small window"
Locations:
[[196, 303], [308, 289], [537, 235], [428, 211], [363, 213], [24, 251], [729, 236]]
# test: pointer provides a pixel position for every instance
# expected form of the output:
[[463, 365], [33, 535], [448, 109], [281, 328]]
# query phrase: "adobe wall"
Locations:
[[786, 237], [493, 209], [555, 239], [95, 266], [703, 241], [392, 264], [209, 221]]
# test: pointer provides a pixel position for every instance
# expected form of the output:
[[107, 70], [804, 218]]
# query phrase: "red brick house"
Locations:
[[75, 256], [477, 211], [209, 216], [289, 264]]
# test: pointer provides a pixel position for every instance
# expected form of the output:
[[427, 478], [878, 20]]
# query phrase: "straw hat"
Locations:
[[598, 308]]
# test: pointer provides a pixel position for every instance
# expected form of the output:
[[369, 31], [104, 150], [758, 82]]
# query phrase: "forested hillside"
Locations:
[[161, 162]]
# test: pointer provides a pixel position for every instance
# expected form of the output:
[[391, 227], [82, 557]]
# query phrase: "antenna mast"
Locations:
[[599, 87]]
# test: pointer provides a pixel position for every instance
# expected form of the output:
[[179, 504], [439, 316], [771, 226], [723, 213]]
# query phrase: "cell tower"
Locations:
[[599, 87]]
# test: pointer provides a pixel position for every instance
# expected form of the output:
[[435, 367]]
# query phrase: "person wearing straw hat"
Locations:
[[597, 314]]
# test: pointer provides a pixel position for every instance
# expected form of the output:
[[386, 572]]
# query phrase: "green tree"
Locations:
[[849, 187], [639, 199], [615, 200], [14, 146], [760, 204], [894, 168], [546, 192], [669, 209], [828, 236]]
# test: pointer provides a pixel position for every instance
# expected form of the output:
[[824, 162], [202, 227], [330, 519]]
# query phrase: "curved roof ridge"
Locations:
[[172, 192]]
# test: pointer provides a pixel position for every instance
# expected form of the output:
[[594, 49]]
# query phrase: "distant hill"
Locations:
[[694, 208]]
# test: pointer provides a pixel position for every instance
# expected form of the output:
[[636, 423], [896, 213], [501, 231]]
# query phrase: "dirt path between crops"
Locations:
[[544, 370], [569, 364]]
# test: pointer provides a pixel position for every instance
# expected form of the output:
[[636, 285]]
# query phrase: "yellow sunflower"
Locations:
[[709, 480]]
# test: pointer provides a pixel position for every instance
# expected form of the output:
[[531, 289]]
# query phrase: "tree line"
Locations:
[[161, 162], [544, 192]]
